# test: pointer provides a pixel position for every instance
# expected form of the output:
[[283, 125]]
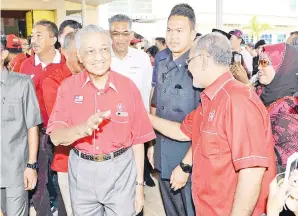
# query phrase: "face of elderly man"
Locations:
[[94, 53], [209, 55]]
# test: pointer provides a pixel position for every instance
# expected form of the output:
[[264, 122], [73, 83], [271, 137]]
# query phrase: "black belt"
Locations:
[[100, 157]]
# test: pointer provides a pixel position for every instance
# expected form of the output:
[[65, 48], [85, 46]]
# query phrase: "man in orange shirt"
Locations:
[[233, 157], [50, 88]]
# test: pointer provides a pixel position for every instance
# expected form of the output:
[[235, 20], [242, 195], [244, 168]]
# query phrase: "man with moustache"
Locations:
[[107, 158], [173, 98], [43, 63]]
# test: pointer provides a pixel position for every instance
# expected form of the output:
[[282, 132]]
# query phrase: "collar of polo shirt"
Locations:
[[111, 85], [56, 60], [217, 85]]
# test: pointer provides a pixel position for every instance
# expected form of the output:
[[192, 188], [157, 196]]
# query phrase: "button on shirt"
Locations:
[[230, 131], [174, 97], [19, 112], [136, 66], [78, 99]]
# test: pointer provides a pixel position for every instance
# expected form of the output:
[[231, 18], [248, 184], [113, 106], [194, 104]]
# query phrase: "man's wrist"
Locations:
[[33, 166]]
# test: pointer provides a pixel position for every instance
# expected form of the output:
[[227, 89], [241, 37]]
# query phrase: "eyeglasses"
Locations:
[[188, 60], [264, 62], [118, 34]]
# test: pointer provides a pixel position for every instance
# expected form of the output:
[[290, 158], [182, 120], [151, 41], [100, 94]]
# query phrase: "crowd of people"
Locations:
[[87, 113]]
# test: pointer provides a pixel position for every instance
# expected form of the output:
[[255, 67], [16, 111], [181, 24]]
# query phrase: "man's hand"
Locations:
[[92, 124], [30, 179], [150, 155], [178, 178], [139, 202], [95, 120]]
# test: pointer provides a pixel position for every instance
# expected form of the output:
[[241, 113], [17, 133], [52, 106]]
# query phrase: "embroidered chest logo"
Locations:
[[211, 116], [78, 99], [120, 107]]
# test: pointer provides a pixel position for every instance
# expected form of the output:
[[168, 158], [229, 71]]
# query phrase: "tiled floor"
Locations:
[[153, 203]]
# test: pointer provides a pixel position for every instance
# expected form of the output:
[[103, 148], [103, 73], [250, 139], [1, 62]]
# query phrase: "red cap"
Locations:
[[13, 42]]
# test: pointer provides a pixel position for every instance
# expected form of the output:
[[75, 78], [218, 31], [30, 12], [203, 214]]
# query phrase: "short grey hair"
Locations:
[[69, 38], [120, 18], [217, 46], [89, 29]]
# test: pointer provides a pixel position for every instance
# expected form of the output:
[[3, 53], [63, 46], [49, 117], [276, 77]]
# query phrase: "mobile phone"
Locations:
[[237, 58], [292, 164]]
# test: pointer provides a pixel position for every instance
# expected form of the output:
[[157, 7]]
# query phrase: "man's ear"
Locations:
[[54, 40], [193, 35], [4, 54]]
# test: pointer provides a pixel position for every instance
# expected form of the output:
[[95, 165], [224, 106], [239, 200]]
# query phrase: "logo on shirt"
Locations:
[[120, 107], [78, 99], [211, 116], [32, 76]]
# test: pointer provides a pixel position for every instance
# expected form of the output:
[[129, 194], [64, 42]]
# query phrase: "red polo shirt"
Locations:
[[38, 74], [78, 99], [230, 131], [50, 87], [17, 61]]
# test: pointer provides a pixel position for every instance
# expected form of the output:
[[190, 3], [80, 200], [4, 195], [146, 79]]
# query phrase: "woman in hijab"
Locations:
[[278, 66]]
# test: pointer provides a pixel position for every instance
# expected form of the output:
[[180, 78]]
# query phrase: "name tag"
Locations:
[[123, 114]]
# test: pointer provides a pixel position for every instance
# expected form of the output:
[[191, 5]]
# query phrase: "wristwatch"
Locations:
[[186, 167], [32, 166]]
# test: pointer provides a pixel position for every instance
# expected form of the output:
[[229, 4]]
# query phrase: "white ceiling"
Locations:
[[91, 2]]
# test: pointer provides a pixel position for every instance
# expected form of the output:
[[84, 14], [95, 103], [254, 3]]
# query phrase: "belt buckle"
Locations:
[[98, 158]]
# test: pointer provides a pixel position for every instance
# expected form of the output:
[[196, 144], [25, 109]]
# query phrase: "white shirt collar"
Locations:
[[56, 60]]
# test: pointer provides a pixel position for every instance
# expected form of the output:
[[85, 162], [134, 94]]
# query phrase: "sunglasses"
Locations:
[[264, 62]]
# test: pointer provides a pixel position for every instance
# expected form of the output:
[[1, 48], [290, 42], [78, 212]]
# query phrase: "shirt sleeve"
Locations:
[[32, 113], [142, 130], [59, 117], [247, 132], [186, 126]]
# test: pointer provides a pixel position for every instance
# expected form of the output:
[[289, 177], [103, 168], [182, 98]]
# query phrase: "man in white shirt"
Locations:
[[236, 42], [132, 63]]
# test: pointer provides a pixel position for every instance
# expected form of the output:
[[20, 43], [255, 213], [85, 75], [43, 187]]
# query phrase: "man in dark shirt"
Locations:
[[173, 98], [20, 116]]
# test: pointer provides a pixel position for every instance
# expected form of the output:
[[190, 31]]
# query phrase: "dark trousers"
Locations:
[[176, 203]]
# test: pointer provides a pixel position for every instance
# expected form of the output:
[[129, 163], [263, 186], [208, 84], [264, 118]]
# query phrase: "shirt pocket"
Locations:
[[210, 143], [11, 110], [181, 102], [120, 128]]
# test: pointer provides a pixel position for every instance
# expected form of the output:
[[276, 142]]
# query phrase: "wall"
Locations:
[[57, 5]]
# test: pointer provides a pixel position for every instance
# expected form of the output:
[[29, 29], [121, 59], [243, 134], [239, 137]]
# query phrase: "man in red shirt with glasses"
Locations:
[[233, 157], [107, 160]]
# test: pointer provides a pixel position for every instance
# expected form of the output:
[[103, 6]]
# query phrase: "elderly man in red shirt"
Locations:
[[107, 160], [233, 157]]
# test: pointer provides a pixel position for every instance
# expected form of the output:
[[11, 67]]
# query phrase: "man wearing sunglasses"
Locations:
[[233, 156]]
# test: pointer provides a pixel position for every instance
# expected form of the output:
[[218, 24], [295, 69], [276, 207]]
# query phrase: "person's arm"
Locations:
[[32, 118], [168, 128], [138, 150], [33, 140], [68, 135], [247, 191]]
